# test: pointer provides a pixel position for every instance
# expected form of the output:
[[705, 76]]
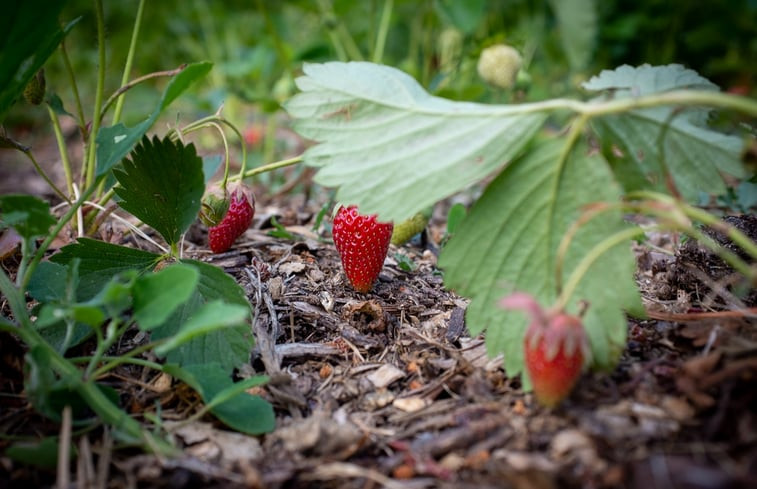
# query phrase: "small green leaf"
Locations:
[[210, 317], [55, 103], [28, 215], [115, 142], [229, 347], [693, 154], [158, 295], [392, 148], [242, 412], [43, 453], [101, 261], [48, 282], [162, 185], [455, 216]]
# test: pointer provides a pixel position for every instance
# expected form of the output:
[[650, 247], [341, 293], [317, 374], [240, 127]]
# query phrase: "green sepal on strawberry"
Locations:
[[235, 221], [362, 243], [555, 348]]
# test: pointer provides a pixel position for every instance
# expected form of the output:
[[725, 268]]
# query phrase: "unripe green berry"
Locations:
[[34, 92], [404, 231], [499, 65]]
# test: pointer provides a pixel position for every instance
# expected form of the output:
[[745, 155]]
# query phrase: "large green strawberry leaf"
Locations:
[[646, 145], [115, 142], [509, 242], [162, 184], [392, 148]]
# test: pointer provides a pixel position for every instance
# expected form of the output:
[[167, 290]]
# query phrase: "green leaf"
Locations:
[[28, 215], [243, 412], [43, 453], [392, 148], [210, 317], [48, 282], [158, 295], [509, 243], [693, 154], [29, 33], [115, 142], [162, 185], [577, 26], [229, 347], [466, 16], [100, 261]]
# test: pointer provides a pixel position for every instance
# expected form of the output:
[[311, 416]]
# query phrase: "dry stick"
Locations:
[[64, 450], [694, 316]]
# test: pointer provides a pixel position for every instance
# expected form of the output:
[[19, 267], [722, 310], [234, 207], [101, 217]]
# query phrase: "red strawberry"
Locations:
[[362, 243], [555, 346], [235, 222]]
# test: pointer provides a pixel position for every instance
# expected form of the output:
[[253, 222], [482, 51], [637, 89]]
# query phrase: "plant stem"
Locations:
[[91, 144], [75, 89], [118, 94], [268, 167], [63, 150], [386, 16], [129, 61], [45, 177], [89, 391], [588, 260]]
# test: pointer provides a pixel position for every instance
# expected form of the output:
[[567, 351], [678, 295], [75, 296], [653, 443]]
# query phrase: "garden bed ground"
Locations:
[[388, 389]]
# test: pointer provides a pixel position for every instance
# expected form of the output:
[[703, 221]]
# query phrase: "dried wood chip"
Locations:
[[411, 404], [385, 375]]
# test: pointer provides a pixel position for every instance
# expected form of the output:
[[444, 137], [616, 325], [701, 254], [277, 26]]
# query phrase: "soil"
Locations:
[[389, 389]]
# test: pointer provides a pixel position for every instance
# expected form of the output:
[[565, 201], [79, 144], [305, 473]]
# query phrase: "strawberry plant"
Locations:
[[550, 221], [198, 317]]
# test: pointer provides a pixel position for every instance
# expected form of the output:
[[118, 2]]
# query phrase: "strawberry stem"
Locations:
[[269, 167]]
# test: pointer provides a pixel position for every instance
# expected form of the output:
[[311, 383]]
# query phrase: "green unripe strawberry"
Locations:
[[34, 92], [405, 231], [499, 65]]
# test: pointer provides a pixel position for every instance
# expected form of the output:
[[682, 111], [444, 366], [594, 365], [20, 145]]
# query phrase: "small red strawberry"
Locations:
[[362, 243], [235, 222], [555, 346]]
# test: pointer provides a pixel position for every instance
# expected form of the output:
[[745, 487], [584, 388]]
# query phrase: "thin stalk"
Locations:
[[386, 16], [54, 234], [129, 60], [269, 167], [125, 86], [91, 146], [62, 149], [588, 260], [75, 89], [44, 175]]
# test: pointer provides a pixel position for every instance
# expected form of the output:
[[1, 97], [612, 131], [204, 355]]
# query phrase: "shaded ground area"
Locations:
[[389, 389]]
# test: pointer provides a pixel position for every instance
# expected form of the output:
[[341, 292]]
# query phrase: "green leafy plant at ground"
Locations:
[[198, 317], [551, 221]]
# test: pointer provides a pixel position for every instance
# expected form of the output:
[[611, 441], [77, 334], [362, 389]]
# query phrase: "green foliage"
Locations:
[[42, 454], [649, 145], [157, 295], [374, 123], [115, 142], [393, 149], [162, 184], [29, 33], [238, 409], [28, 215], [577, 26]]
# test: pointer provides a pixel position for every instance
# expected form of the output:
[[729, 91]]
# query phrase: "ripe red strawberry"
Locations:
[[235, 222], [362, 243], [555, 346]]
